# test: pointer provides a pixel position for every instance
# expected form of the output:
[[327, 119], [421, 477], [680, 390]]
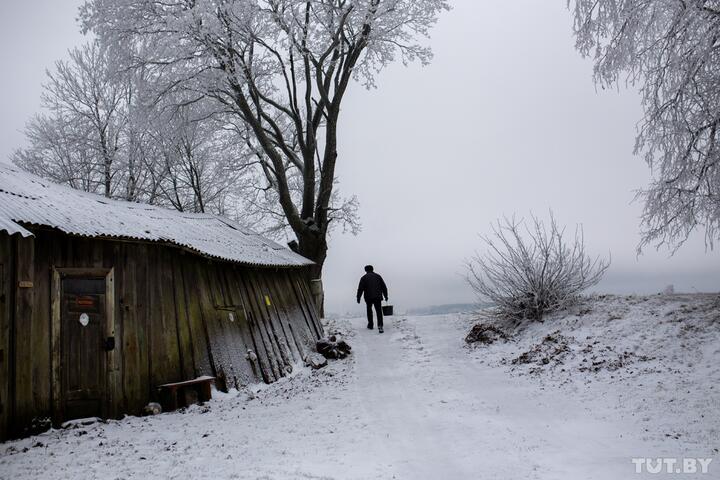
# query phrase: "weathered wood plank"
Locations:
[[250, 334], [294, 317], [303, 327], [170, 335], [265, 296], [22, 330], [274, 323], [217, 328], [255, 301], [228, 347], [309, 302], [164, 353], [5, 351], [40, 328], [155, 322], [254, 321], [217, 292], [129, 315], [96, 251], [302, 301], [284, 311], [196, 327], [109, 257], [142, 326], [113, 365], [239, 339], [58, 249], [186, 354], [209, 298]]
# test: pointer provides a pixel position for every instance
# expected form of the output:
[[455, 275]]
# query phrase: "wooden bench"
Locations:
[[182, 394]]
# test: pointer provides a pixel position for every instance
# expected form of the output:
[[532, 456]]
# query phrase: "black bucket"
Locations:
[[387, 310]]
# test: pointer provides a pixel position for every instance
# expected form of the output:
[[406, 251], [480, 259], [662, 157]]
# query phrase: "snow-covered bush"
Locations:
[[530, 269]]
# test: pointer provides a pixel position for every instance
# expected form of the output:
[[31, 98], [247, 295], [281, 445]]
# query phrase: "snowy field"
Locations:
[[575, 397]]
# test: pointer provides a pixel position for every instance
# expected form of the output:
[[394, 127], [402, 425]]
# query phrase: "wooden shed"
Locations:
[[102, 301]]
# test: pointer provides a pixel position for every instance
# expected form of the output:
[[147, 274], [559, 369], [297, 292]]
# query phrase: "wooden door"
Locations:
[[83, 366]]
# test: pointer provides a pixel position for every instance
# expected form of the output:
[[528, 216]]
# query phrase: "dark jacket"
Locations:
[[373, 286]]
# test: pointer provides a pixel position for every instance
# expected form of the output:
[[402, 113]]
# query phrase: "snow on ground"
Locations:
[[651, 361], [416, 403]]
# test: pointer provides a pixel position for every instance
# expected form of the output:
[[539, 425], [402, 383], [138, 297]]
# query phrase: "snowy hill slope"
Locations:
[[652, 360]]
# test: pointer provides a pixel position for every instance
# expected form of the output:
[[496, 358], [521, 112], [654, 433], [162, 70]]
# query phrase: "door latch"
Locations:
[[109, 344]]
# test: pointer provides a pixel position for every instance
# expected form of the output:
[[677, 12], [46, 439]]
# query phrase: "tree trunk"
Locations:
[[312, 244]]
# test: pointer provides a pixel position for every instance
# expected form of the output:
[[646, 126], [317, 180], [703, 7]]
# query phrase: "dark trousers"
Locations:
[[378, 309]]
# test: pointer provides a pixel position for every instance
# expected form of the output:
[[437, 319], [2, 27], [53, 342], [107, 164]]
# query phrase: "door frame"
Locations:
[[111, 359]]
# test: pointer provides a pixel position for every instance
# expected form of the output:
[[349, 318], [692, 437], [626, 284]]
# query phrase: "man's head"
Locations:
[[369, 268]]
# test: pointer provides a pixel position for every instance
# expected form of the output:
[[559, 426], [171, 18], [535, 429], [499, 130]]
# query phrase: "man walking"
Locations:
[[373, 287]]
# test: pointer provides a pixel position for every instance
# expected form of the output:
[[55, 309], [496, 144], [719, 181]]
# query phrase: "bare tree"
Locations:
[[77, 139], [670, 49], [101, 132], [529, 270], [57, 150], [203, 165], [140, 170], [86, 93], [281, 68]]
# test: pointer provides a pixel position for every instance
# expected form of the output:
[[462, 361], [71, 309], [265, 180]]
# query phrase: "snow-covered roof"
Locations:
[[27, 199]]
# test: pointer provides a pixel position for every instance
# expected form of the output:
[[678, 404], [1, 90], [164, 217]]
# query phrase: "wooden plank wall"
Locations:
[[177, 316], [6, 304]]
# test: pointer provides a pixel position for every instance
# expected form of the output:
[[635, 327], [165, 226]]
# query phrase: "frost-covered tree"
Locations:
[[281, 69], [77, 139], [670, 50], [201, 163], [53, 153], [101, 132], [140, 153]]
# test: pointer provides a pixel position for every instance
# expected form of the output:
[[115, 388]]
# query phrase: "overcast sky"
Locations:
[[505, 120]]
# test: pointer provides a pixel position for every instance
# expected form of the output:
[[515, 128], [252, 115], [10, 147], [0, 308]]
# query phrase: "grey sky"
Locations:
[[505, 120]]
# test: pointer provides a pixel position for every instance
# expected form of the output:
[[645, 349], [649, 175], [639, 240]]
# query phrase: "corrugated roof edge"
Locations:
[[165, 243], [249, 248], [16, 229]]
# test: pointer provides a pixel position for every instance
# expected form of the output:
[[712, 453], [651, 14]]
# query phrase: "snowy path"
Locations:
[[409, 404], [434, 415]]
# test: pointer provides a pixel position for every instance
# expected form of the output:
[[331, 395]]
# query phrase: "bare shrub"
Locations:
[[531, 269]]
